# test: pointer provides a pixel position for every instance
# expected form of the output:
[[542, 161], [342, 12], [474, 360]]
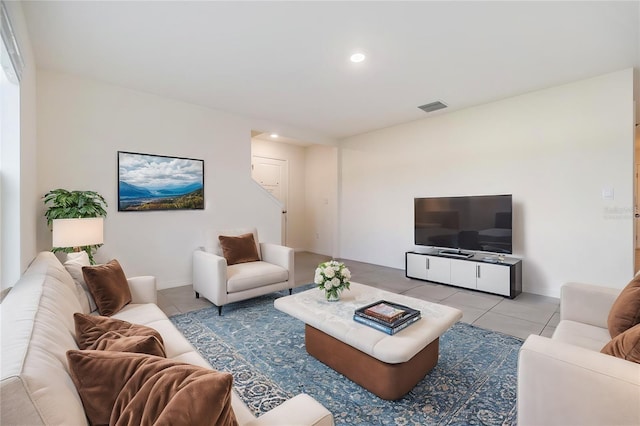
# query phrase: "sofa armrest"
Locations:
[[587, 303], [563, 384], [297, 411], [143, 289], [210, 276]]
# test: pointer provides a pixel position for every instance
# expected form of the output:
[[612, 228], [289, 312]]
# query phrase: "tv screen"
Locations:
[[480, 223]]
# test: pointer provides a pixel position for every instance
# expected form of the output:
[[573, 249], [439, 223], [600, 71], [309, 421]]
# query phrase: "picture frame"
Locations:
[[148, 182]]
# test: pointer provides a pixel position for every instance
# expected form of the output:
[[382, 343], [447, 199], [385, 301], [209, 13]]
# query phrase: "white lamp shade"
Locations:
[[78, 232]]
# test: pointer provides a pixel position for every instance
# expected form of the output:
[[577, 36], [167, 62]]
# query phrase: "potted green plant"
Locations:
[[63, 204]]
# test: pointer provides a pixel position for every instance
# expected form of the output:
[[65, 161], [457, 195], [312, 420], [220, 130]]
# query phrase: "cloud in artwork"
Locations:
[[156, 172]]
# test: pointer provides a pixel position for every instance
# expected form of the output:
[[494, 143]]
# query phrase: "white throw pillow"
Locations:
[[74, 264]]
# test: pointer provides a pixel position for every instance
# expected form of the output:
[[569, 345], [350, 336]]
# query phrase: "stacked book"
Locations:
[[385, 316]]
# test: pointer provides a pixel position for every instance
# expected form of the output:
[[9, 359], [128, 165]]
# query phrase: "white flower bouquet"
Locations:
[[332, 277]]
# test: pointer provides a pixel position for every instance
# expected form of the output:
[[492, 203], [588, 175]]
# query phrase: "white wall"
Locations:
[[294, 155], [22, 225], [81, 126], [554, 150], [322, 199]]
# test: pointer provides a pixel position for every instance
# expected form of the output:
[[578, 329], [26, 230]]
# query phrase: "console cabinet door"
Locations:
[[494, 278], [438, 269], [417, 266], [463, 273]]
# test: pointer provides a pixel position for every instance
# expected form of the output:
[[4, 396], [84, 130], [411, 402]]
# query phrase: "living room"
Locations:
[[564, 149], [79, 120]]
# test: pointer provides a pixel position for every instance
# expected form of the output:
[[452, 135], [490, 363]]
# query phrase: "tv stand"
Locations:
[[476, 271], [455, 253]]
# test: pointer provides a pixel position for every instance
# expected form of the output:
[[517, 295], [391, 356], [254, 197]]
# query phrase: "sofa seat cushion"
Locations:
[[247, 276], [583, 335]]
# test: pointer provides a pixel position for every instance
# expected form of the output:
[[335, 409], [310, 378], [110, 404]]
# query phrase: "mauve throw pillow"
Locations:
[[625, 311], [240, 249], [90, 328], [108, 286], [625, 345], [120, 388]]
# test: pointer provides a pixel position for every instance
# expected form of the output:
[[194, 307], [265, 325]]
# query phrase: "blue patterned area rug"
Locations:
[[474, 382]]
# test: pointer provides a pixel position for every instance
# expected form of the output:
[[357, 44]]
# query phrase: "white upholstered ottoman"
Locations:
[[388, 366]]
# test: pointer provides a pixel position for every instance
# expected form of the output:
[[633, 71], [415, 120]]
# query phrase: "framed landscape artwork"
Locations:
[[157, 182]]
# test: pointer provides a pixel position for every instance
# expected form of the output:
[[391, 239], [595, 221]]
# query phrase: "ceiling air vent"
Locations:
[[433, 106]]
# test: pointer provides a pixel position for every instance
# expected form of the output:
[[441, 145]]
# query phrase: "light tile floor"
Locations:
[[526, 314]]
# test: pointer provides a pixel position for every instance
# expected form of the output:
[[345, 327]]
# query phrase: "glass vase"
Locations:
[[333, 297]]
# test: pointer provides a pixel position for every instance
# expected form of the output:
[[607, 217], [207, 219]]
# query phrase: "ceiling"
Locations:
[[288, 62]]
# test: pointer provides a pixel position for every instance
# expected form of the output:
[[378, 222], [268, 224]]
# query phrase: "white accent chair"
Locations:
[[222, 284], [565, 380]]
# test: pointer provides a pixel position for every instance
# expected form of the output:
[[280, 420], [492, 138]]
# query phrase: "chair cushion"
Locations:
[[122, 388], [240, 249], [246, 276], [625, 312], [625, 345], [108, 286]]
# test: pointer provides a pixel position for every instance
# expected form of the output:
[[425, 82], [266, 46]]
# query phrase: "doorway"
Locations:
[[273, 175]]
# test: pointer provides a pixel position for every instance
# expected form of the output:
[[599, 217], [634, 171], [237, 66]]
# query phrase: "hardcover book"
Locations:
[[385, 328], [406, 315], [384, 311]]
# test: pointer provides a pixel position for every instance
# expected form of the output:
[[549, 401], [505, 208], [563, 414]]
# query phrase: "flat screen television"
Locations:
[[479, 223]]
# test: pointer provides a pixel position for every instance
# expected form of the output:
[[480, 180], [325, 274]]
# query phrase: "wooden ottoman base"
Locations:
[[387, 381]]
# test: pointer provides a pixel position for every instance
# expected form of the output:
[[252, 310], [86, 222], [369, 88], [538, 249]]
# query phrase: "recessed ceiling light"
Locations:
[[274, 135], [357, 57]]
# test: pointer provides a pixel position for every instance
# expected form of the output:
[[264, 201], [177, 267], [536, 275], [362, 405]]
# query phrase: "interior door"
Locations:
[[272, 175]]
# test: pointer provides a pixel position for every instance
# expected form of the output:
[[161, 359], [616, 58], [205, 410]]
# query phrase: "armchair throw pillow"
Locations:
[[120, 388], [625, 311], [625, 345], [108, 286], [239, 249]]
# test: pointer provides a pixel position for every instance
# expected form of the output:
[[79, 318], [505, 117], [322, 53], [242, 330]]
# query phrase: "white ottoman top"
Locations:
[[336, 320]]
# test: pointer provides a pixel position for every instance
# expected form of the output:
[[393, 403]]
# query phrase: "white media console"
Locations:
[[476, 271]]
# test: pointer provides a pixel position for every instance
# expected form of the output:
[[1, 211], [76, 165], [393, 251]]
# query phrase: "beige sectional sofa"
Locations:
[[38, 330], [566, 380]]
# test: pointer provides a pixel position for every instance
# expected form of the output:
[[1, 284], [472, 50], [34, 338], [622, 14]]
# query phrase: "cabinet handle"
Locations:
[[427, 263], [478, 271]]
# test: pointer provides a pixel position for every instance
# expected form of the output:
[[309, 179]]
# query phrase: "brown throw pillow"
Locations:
[[240, 249], [120, 388], [90, 328], [108, 286], [116, 342], [625, 345], [625, 311]]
